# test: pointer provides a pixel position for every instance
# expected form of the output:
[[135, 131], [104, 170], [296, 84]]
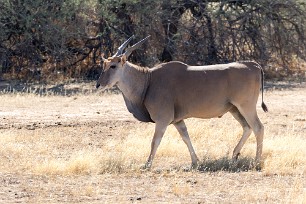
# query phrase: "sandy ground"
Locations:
[[98, 115]]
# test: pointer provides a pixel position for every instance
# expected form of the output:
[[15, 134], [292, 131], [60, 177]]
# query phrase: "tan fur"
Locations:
[[171, 92]]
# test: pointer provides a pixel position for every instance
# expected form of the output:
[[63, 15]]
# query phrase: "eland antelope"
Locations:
[[171, 92]]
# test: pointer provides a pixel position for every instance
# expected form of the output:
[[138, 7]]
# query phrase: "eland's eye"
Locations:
[[112, 66]]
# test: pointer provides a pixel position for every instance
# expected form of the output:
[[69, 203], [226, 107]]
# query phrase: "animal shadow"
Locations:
[[243, 164]]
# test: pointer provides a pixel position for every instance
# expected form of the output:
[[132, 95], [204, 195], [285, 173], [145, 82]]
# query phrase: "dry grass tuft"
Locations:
[[83, 162], [285, 155]]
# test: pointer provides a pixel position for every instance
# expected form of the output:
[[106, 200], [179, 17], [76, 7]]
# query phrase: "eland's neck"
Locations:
[[134, 82]]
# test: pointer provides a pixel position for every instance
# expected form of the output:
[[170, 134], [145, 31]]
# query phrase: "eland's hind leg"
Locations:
[[248, 111], [246, 131], [182, 129]]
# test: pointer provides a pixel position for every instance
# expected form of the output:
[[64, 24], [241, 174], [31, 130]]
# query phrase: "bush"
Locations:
[[45, 40]]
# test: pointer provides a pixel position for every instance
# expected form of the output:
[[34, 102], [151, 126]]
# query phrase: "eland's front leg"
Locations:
[[160, 129], [182, 129]]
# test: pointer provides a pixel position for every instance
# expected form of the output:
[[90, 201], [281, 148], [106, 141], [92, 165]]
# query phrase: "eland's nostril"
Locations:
[[97, 85]]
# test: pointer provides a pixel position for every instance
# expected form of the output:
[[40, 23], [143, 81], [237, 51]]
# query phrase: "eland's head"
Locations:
[[113, 66]]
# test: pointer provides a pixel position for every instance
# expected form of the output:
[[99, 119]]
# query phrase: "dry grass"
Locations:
[[51, 152], [78, 141]]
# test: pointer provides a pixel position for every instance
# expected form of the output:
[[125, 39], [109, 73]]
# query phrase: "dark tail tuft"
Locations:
[[264, 107]]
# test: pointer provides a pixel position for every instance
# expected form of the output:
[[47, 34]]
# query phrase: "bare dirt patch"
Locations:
[[73, 147]]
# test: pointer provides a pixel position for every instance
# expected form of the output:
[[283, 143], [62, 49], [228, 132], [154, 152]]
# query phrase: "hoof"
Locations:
[[146, 166], [235, 157], [194, 166], [258, 164]]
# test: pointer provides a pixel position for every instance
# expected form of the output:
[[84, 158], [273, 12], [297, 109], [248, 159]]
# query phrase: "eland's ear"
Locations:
[[123, 59]]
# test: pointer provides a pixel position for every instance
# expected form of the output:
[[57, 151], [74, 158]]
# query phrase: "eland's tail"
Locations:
[[263, 105]]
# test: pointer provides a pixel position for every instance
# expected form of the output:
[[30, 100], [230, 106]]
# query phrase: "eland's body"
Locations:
[[171, 92]]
